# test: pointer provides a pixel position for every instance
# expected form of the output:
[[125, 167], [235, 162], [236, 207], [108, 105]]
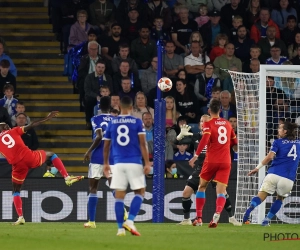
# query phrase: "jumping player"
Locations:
[[126, 137], [219, 136], [192, 182], [285, 153], [22, 159]]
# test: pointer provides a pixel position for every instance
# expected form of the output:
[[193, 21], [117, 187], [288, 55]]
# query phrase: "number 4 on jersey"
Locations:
[[293, 152]]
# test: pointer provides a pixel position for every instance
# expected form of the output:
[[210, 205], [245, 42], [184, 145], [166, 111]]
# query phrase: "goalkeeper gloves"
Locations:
[[184, 131]]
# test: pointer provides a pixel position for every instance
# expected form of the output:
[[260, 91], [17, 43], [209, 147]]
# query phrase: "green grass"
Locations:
[[46, 236]]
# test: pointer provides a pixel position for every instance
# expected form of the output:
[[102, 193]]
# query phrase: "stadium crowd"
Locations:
[[110, 50]]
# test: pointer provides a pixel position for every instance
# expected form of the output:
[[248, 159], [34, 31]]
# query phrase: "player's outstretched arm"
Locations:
[[94, 145], [145, 154], [38, 122], [106, 149], [264, 162]]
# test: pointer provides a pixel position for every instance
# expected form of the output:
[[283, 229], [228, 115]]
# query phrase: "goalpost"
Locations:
[[258, 119]]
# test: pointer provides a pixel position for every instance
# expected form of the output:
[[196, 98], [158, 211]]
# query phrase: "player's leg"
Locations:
[[18, 203], [186, 205], [267, 187], [95, 173], [284, 187], [200, 201], [56, 161], [136, 178], [119, 183]]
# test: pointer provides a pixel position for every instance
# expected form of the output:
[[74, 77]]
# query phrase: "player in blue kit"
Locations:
[[95, 155], [285, 153], [126, 136]]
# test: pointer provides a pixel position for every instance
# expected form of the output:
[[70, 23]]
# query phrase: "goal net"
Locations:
[[263, 100]]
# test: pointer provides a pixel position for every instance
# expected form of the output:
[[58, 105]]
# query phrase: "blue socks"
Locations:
[[135, 206], [92, 204], [119, 210], [274, 209], [254, 203], [200, 194]]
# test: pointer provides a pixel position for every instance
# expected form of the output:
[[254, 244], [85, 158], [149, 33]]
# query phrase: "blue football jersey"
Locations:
[[123, 132], [100, 122], [286, 161]]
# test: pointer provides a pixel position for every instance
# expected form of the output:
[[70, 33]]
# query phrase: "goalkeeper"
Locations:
[[193, 181]]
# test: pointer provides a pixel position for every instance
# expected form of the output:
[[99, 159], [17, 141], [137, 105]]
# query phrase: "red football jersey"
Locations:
[[12, 146], [221, 136]]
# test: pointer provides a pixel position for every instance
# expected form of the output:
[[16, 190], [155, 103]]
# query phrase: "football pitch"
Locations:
[[46, 236]]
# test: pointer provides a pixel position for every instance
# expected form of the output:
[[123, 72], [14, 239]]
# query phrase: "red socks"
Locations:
[[18, 204], [59, 165], [220, 202]]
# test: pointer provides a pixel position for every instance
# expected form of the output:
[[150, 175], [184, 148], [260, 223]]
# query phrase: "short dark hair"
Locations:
[[20, 103], [124, 46], [170, 41], [126, 102], [8, 87], [125, 78], [104, 103], [291, 17], [5, 63], [146, 113], [215, 89], [101, 62], [215, 106], [232, 116], [144, 26]]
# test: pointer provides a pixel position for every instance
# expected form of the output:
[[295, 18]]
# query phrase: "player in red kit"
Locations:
[[22, 159], [219, 137]]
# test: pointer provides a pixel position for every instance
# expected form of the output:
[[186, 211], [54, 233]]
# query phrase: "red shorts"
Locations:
[[218, 172], [33, 160]]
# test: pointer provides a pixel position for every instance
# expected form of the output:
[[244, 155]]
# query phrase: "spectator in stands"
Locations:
[[170, 169], [194, 63], [252, 13], [103, 91], [87, 66], [259, 28], [194, 37], [92, 84], [171, 112], [158, 32], [6, 77], [123, 55], [159, 8], [3, 56], [132, 25], [212, 28], [237, 21], [230, 10], [29, 138], [101, 12], [272, 94], [20, 108], [79, 30], [204, 85], [254, 65], [254, 54], [186, 102], [110, 45], [218, 47], [233, 121], [8, 101], [115, 101], [182, 29], [202, 18], [216, 91], [270, 40], [148, 125], [280, 14], [292, 49], [124, 71], [182, 154], [227, 109], [126, 5], [289, 32], [126, 89], [143, 49], [181, 74], [216, 4], [4, 116], [227, 61], [141, 106], [296, 59], [276, 57], [172, 62], [242, 44], [149, 77]]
